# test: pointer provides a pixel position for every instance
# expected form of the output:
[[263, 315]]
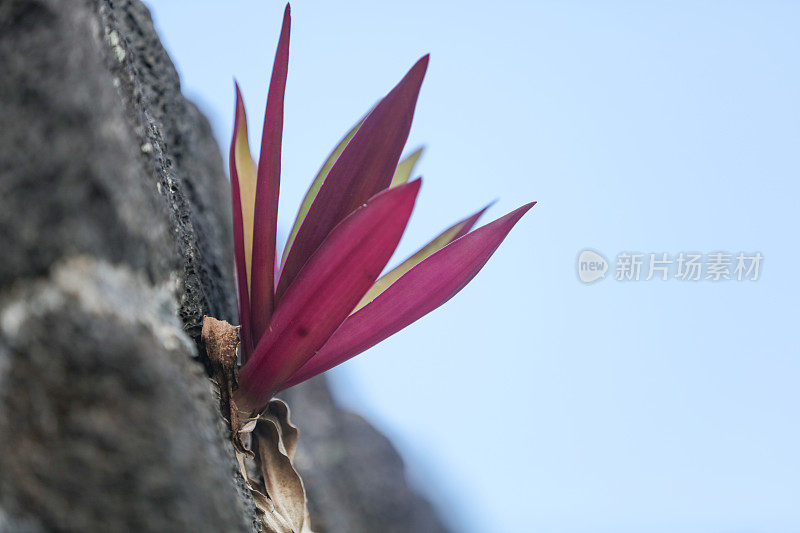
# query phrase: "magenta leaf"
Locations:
[[440, 241], [421, 290], [324, 292], [262, 282], [470, 221], [363, 169]]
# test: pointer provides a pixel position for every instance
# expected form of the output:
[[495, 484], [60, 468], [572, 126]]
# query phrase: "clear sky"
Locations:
[[531, 401]]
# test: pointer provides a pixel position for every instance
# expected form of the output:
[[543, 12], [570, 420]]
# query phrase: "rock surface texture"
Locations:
[[114, 242]]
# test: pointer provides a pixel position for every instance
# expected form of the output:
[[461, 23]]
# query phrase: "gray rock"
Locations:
[[185, 161], [72, 181], [107, 424], [115, 237]]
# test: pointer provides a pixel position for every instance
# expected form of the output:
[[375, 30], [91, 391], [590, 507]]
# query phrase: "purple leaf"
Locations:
[[440, 241], [421, 290], [325, 291], [262, 281], [363, 169]]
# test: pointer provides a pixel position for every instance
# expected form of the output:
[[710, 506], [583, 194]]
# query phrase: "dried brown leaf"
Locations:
[[278, 410], [281, 497], [271, 520], [276, 440], [221, 341]]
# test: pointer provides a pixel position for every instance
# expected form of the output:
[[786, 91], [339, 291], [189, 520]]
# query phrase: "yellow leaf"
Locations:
[[404, 169], [246, 172]]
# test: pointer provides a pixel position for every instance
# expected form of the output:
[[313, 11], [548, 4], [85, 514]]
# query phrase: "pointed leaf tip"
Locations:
[[419, 291], [262, 286], [404, 169], [363, 169], [287, 16], [470, 222]]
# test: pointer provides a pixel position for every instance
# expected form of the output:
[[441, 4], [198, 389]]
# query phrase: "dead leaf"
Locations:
[[249, 426], [275, 485], [221, 340], [289, 433], [275, 441], [279, 495]]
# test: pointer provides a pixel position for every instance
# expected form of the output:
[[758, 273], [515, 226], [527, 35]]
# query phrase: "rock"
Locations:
[[72, 177], [185, 160], [115, 231], [106, 422], [353, 475]]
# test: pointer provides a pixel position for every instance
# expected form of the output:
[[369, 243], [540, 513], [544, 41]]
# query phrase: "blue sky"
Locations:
[[533, 402]]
